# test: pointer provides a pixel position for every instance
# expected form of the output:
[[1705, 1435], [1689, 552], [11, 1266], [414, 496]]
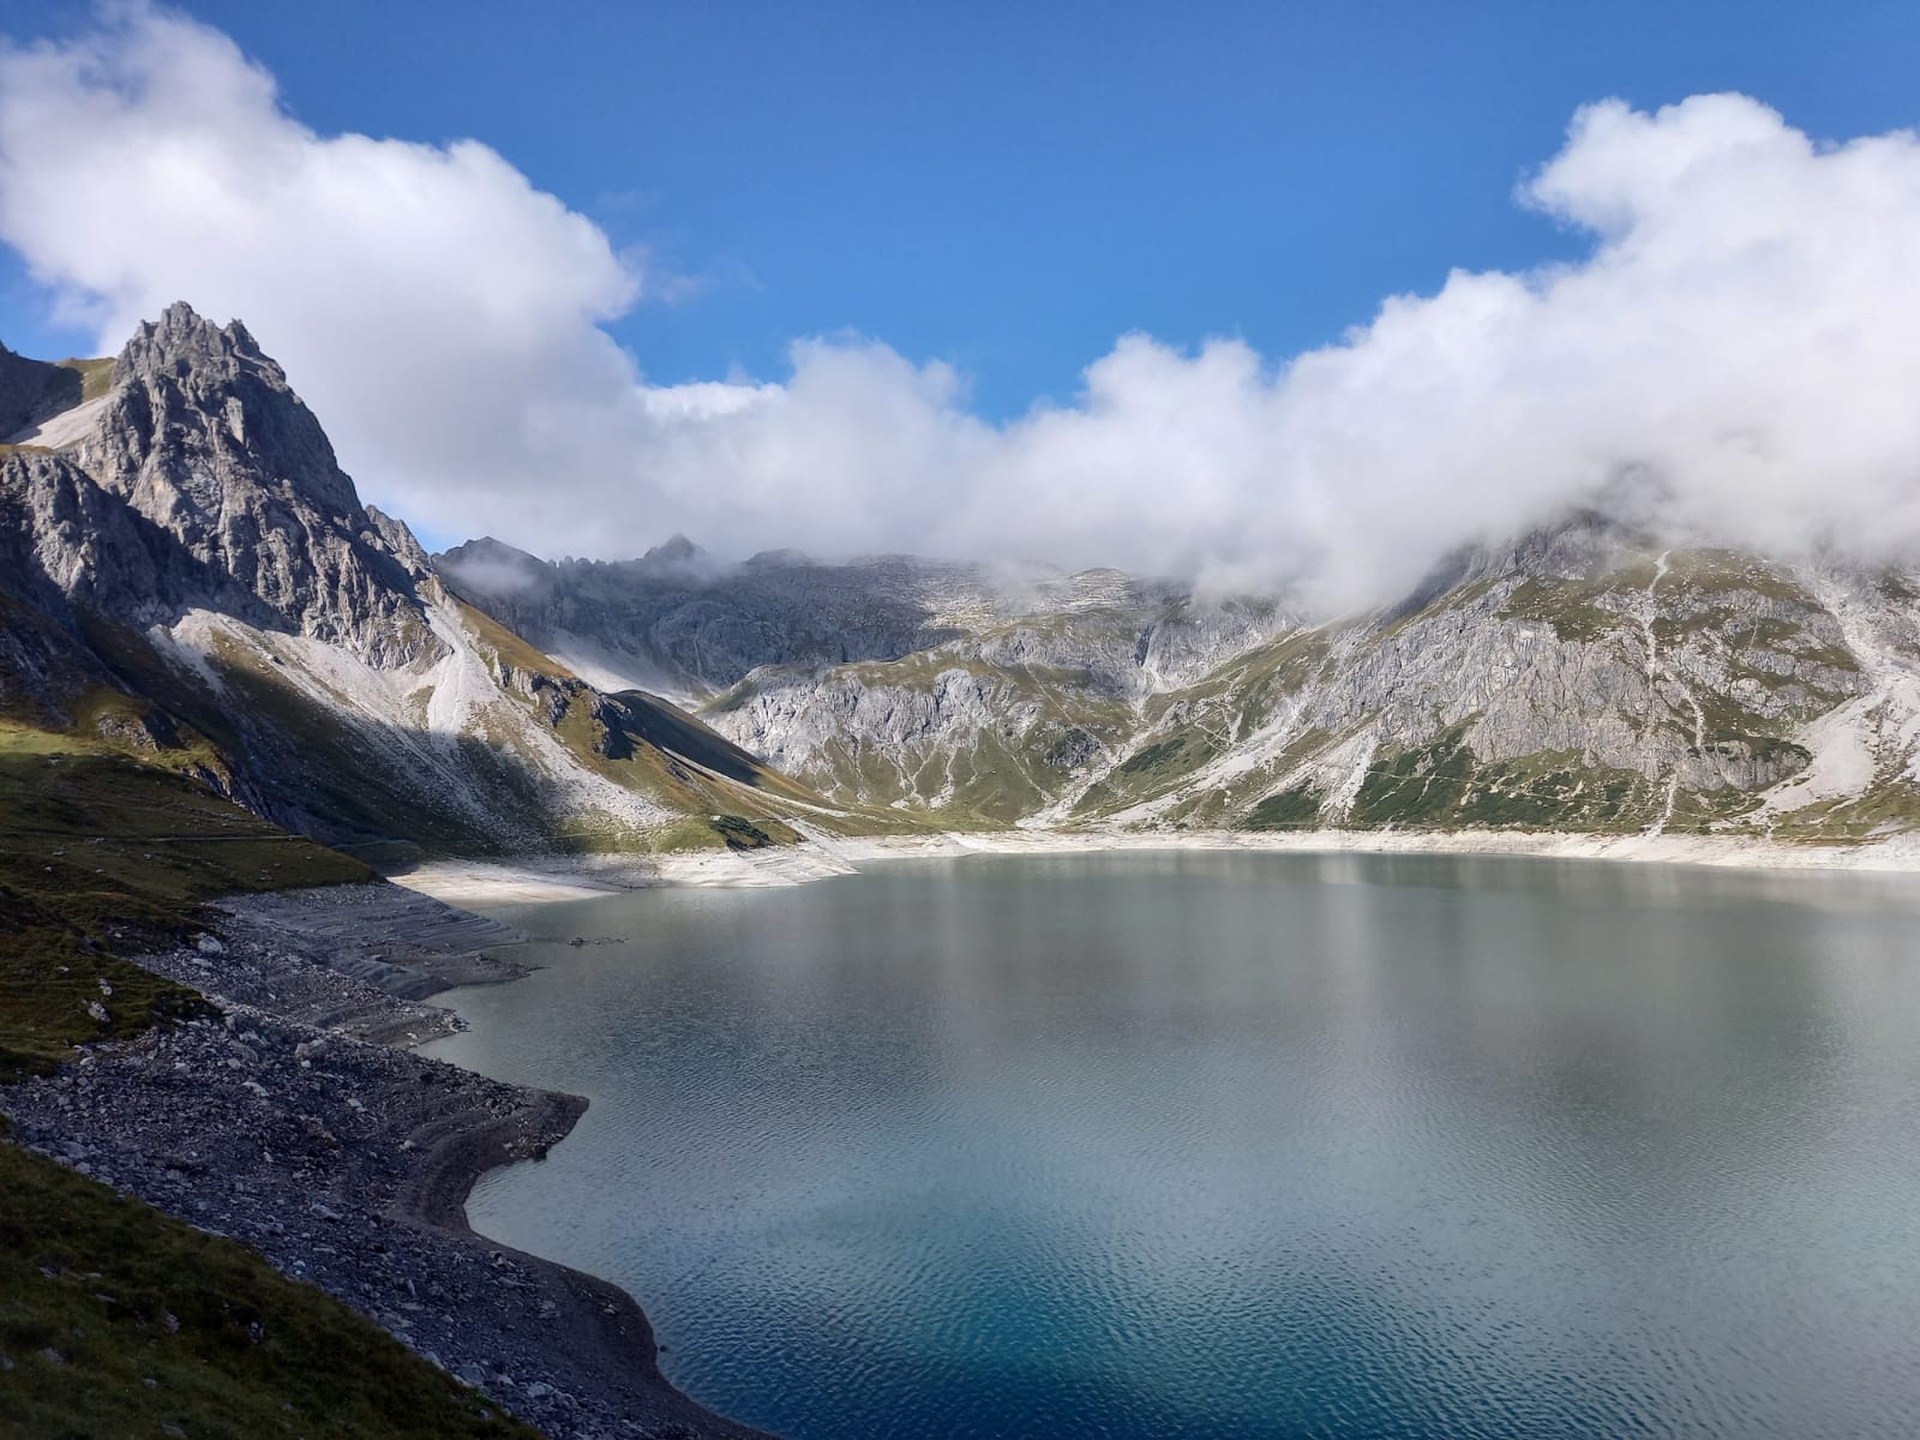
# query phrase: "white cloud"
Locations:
[[1741, 342], [429, 303]]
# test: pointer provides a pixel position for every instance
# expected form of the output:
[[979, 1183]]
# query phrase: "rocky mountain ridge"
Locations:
[[690, 626], [186, 573], [1588, 677]]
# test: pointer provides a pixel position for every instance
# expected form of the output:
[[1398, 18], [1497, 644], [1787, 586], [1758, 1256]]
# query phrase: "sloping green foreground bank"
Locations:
[[116, 1320], [119, 1321]]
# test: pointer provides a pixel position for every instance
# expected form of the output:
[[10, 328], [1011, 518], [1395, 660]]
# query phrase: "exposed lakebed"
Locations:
[[1241, 1145]]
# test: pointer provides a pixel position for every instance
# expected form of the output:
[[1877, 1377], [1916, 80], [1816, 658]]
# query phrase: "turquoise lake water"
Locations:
[[1240, 1146]]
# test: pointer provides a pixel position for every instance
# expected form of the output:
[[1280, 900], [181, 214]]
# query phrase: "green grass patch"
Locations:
[[1442, 786], [1295, 809], [1723, 571], [116, 1320], [99, 853], [1568, 606], [722, 832], [96, 376], [1421, 786], [1892, 806], [1149, 758], [1148, 773], [508, 647], [690, 834]]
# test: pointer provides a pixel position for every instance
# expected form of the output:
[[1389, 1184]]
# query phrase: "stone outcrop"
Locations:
[[202, 436]]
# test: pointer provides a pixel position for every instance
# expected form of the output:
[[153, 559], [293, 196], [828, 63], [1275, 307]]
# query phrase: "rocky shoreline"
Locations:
[[300, 1124], [826, 856]]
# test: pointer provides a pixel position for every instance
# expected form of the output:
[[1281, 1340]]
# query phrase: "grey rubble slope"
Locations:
[[188, 576], [346, 1162], [1587, 677]]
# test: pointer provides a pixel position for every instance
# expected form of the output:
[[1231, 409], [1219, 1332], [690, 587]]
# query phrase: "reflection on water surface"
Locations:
[[1244, 1145]]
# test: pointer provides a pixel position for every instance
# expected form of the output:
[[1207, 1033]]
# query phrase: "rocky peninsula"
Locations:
[[300, 1122]]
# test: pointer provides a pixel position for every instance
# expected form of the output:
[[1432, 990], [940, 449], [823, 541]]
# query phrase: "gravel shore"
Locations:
[[300, 1124]]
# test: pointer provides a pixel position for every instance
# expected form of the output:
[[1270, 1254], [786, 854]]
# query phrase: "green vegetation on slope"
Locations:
[[722, 832], [1148, 773], [1295, 809], [34, 391], [1443, 786], [98, 852], [648, 746], [1160, 755], [116, 1320], [1889, 806], [96, 376], [1570, 607]]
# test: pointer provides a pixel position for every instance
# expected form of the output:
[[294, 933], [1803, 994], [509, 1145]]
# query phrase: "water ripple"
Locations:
[[1245, 1147]]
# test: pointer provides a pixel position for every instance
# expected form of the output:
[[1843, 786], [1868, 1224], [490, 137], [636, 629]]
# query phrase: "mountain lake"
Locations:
[[1238, 1145]]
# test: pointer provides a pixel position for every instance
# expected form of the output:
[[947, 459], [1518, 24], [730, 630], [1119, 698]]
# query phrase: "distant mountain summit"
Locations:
[[186, 573], [1585, 677]]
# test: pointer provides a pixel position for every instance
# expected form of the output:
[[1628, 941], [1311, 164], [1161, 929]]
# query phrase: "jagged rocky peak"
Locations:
[[246, 509], [681, 561], [193, 406], [183, 341], [676, 550]]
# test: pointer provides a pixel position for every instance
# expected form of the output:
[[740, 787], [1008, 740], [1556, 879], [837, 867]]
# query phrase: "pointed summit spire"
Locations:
[[183, 339]]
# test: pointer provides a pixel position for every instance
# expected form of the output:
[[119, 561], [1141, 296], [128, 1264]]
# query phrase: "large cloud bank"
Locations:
[[1738, 357]]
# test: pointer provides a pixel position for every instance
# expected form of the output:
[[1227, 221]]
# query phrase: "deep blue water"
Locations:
[[1243, 1146]]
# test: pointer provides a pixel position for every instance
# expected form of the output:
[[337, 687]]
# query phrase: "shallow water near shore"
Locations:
[[1241, 1146]]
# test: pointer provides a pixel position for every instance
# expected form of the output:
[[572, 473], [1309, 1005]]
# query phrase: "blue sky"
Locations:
[[1010, 187], [1304, 295]]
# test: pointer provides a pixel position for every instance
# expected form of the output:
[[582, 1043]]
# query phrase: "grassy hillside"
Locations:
[[100, 855], [114, 1319]]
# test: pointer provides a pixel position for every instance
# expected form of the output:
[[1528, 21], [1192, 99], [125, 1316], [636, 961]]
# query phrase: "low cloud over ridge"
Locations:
[[1735, 358]]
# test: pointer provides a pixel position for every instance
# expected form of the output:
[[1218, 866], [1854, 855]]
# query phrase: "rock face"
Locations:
[[185, 571], [679, 622], [33, 390], [1586, 677], [882, 675], [201, 435]]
